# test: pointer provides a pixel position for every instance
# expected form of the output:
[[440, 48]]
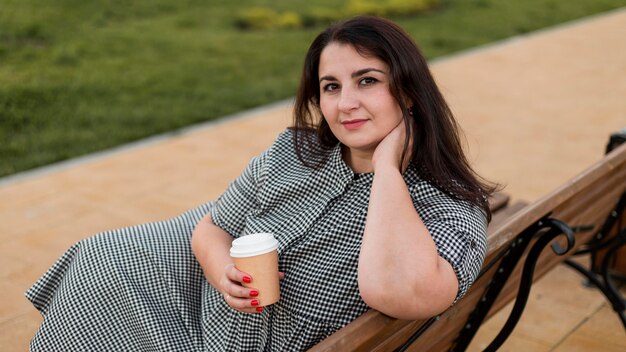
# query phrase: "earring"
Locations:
[[411, 110]]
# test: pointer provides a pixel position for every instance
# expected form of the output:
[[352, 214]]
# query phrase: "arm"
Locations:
[[211, 239], [211, 246], [400, 272]]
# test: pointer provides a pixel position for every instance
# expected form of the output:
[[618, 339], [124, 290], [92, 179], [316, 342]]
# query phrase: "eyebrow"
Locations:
[[355, 74]]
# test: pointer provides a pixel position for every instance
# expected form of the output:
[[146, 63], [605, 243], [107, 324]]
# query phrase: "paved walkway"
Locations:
[[535, 109]]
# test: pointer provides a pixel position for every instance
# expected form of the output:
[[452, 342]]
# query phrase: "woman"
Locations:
[[369, 195]]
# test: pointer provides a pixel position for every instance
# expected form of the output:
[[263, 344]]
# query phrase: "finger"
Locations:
[[237, 291], [235, 274], [397, 133], [281, 275], [244, 305], [255, 310]]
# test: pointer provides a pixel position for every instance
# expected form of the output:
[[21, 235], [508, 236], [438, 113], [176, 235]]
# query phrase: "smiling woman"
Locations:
[[367, 88], [368, 196]]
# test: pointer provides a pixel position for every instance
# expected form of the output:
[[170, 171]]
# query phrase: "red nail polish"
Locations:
[[247, 279], [254, 293], [259, 309], [254, 302]]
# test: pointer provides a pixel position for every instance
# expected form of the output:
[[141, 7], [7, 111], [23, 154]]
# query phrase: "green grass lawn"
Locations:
[[81, 76]]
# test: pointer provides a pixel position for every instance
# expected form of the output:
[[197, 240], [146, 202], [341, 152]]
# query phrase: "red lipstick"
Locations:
[[354, 124]]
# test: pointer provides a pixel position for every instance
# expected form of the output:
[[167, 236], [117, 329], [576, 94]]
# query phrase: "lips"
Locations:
[[354, 124]]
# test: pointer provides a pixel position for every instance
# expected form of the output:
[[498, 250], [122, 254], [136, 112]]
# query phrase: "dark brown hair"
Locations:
[[437, 152]]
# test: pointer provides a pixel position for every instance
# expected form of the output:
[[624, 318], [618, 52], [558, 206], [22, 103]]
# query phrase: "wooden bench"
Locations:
[[567, 218]]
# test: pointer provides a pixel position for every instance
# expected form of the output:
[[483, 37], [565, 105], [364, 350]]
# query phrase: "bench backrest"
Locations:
[[585, 200]]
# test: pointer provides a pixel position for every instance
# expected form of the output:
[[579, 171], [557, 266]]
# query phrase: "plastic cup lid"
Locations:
[[254, 244]]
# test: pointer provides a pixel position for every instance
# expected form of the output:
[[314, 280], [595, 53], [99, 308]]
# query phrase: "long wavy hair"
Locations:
[[436, 150]]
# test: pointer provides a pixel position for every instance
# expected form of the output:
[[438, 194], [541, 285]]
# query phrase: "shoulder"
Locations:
[[282, 149], [284, 140], [433, 204], [282, 157], [301, 147]]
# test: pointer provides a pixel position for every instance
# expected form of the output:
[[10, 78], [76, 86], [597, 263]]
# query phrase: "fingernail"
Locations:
[[247, 279], [254, 302], [259, 309], [254, 293]]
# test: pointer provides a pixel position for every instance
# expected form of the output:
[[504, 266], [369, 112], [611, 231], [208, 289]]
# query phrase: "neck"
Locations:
[[358, 161]]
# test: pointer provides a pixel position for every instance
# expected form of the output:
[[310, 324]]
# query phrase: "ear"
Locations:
[[408, 103]]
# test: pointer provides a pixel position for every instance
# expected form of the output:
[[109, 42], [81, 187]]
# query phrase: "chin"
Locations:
[[366, 146]]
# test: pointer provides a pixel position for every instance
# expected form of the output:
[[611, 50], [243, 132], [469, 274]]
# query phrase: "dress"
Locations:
[[141, 289]]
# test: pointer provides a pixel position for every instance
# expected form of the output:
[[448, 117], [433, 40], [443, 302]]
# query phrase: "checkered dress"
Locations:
[[140, 288]]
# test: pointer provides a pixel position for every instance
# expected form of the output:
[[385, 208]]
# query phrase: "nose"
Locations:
[[348, 100]]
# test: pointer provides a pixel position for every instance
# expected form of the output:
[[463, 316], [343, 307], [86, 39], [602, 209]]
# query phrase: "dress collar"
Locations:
[[345, 173]]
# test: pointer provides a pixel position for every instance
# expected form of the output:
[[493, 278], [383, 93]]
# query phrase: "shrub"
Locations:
[[289, 20], [366, 7], [389, 7], [257, 18], [264, 18], [410, 7]]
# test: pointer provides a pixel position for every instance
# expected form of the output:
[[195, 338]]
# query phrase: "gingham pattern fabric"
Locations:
[[140, 288]]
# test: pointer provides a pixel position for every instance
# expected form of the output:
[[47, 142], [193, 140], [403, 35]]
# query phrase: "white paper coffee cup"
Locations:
[[257, 255]]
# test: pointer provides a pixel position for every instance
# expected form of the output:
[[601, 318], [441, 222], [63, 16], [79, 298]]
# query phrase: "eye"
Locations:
[[330, 87], [367, 81]]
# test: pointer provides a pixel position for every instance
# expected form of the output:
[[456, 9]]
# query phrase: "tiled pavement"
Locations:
[[536, 110]]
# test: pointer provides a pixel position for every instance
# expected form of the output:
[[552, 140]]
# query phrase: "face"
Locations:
[[355, 98]]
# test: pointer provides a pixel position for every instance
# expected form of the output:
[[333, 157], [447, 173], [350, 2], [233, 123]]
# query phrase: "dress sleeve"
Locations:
[[239, 199], [458, 229]]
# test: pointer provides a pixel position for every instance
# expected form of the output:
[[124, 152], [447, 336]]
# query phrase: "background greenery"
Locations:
[[80, 76]]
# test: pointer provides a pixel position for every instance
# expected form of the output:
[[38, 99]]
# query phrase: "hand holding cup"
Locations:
[[237, 296], [256, 269]]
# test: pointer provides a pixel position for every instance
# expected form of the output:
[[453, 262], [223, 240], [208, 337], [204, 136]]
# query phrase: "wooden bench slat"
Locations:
[[352, 335], [581, 208], [603, 169], [499, 218], [584, 208], [497, 201]]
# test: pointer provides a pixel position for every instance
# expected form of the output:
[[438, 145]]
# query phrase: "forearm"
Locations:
[[400, 272], [211, 245]]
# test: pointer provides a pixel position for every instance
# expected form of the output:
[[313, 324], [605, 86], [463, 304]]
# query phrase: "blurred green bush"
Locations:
[[260, 18], [390, 7], [257, 18]]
